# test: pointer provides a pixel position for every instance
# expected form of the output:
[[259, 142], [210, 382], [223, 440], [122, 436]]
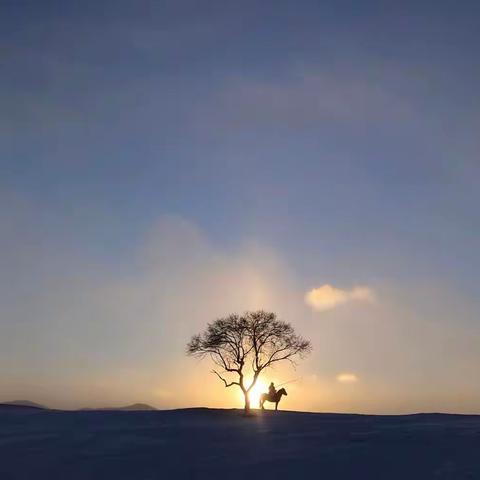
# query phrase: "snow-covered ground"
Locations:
[[222, 444]]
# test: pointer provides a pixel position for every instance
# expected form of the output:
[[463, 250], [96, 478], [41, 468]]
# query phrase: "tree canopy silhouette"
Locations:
[[241, 345]]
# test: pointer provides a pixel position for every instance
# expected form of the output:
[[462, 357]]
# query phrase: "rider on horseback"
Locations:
[[272, 391], [272, 396]]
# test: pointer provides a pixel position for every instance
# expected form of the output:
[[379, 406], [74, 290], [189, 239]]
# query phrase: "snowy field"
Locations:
[[222, 444]]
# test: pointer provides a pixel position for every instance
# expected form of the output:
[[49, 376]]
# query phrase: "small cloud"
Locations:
[[327, 297], [347, 378], [364, 294]]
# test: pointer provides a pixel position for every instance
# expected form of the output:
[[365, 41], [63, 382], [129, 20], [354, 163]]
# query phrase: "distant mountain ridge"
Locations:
[[138, 406], [133, 407], [25, 403], [28, 404]]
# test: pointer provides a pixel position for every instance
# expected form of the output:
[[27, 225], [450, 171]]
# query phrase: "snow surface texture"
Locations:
[[223, 444]]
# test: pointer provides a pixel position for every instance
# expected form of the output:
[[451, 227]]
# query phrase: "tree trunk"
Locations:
[[247, 403]]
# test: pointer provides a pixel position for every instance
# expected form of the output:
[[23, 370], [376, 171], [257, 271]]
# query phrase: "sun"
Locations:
[[254, 394]]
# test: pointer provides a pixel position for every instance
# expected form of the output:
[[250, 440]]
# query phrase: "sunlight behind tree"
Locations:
[[254, 394]]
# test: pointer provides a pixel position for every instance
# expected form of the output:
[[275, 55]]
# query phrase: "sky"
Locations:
[[167, 163]]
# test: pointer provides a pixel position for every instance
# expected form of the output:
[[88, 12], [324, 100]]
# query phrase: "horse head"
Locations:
[[282, 391]]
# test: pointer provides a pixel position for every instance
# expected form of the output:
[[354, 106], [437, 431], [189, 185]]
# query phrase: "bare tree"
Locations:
[[247, 344]]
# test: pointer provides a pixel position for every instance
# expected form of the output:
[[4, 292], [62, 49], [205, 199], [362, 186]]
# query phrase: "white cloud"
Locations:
[[327, 297], [365, 294], [347, 378]]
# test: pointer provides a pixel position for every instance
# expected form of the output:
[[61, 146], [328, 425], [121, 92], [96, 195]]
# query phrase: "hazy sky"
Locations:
[[164, 163]]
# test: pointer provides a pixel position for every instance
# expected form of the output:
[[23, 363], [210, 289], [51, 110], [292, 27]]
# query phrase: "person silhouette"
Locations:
[[272, 391]]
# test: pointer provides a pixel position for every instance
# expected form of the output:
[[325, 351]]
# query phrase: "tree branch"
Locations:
[[227, 384]]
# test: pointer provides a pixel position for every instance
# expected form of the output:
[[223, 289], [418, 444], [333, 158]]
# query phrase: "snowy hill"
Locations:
[[204, 443]]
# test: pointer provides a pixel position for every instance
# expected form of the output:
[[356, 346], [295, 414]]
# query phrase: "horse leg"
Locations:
[[276, 406]]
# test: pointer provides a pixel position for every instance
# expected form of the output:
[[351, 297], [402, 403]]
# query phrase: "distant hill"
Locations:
[[138, 406], [133, 407], [25, 403]]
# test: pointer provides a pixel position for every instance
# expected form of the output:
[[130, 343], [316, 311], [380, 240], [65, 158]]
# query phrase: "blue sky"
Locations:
[[338, 138]]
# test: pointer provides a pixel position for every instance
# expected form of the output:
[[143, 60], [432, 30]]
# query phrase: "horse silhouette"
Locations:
[[265, 397]]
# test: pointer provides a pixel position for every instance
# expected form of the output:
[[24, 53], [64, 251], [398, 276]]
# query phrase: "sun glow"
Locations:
[[254, 394]]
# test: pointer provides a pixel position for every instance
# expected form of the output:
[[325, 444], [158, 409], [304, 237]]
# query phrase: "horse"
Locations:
[[265, 397]]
